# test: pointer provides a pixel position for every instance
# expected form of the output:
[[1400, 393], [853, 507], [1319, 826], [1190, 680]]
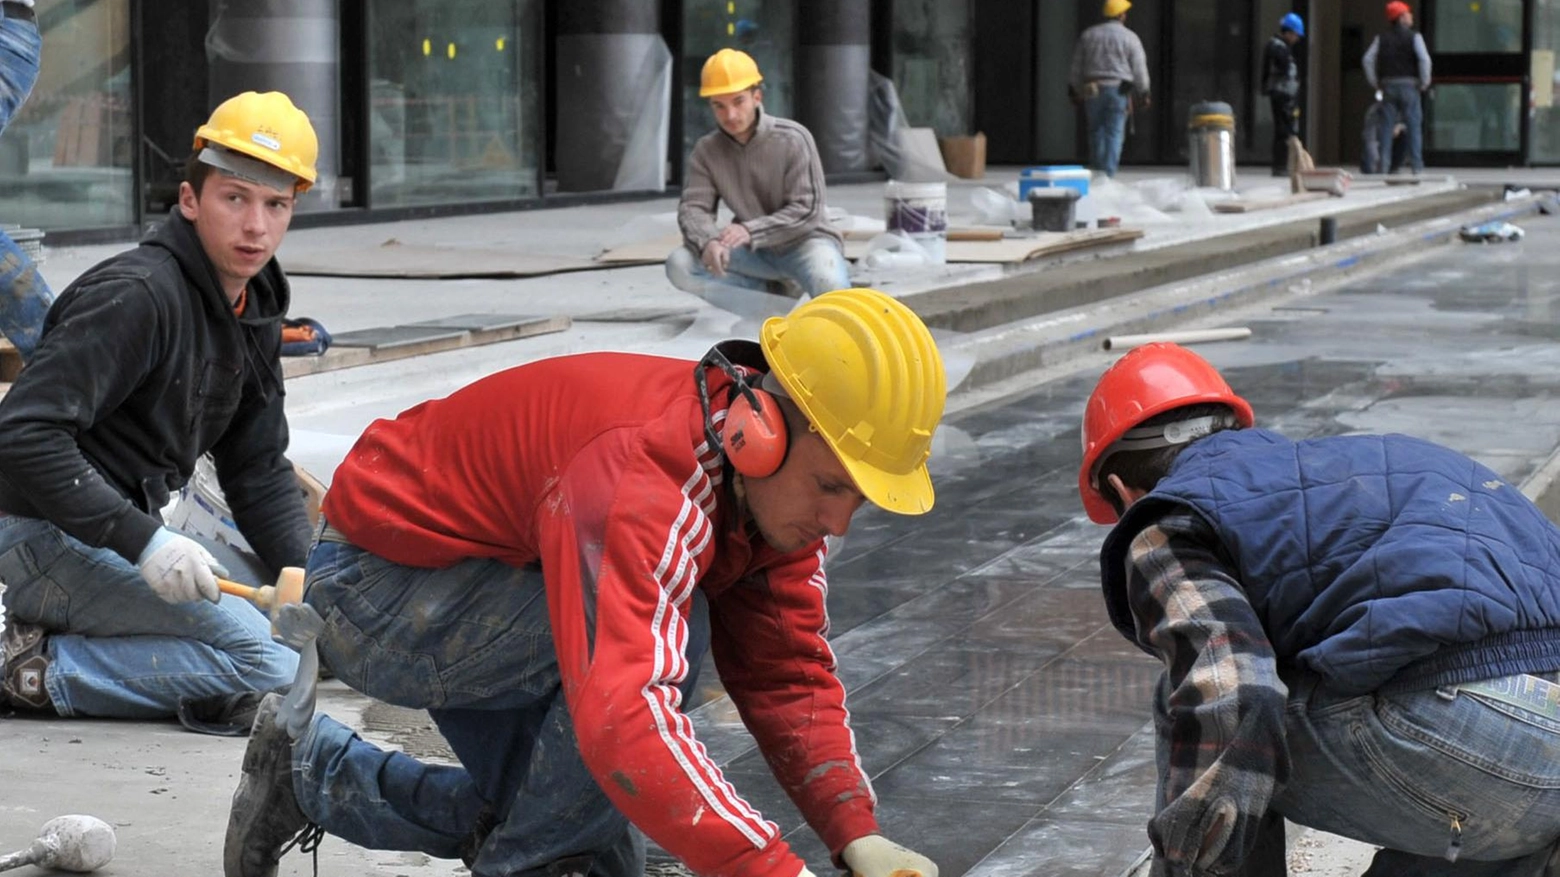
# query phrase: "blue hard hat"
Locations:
[[1292, 22]]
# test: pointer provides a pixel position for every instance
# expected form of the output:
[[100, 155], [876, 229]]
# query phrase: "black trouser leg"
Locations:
[[1286, 123]]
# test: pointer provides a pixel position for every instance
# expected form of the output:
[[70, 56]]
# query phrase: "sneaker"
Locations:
[[265, 821], [24, 648]]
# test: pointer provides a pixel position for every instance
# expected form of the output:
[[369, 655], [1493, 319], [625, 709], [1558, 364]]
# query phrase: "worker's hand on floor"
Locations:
[[178, 568], [877, 856], [735, 235], [716, 257]]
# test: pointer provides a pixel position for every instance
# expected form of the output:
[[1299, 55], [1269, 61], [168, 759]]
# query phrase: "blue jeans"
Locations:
[[817, 265], [1395, 770], [116, 649], [24, 296], [1402, 100], [472, 644], [1106, 114]]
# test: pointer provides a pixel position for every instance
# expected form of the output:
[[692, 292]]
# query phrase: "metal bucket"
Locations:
[[1211, 145]]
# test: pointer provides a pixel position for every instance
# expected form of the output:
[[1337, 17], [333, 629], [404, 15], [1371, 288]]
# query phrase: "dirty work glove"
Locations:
[[178, 568], [877, 856], [716, 257], [299, 625]]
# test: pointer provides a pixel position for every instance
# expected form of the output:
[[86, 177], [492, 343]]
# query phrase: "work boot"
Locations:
[[265, 821], [24, 648]]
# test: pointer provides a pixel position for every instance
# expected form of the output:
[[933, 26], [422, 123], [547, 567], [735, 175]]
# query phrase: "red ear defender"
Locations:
[[755, 434]]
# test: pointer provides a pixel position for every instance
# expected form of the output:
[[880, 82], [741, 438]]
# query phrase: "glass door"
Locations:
[[1474, 114]]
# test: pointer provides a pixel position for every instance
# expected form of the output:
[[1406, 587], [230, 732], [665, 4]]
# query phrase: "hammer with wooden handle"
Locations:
[[288, 589]]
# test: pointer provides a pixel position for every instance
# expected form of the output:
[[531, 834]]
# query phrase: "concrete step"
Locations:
[[1005, 352], [1030, 294]]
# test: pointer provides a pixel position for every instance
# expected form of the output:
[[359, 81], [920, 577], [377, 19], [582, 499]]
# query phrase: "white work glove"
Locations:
[[716, 257], [877, 856], [178, 568]]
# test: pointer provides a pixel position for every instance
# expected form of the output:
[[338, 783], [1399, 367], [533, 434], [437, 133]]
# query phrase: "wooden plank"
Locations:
[[1267, 203], [350, 357]]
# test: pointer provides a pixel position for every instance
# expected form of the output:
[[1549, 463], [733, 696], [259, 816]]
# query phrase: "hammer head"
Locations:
[[289, 587], [287, 591]]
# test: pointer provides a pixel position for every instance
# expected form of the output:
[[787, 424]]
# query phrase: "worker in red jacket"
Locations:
[[540, 559]]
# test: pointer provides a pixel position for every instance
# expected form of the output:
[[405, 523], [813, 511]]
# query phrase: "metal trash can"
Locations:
[[1211, 143]]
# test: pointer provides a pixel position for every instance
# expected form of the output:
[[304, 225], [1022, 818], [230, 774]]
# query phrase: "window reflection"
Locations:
[[452, 100], [65, 158]]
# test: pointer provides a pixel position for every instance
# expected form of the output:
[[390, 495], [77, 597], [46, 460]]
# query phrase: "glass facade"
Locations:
[[1479, 26], [446, 102], [453, 100], [1475, 117], [765, 29], [67, 155]]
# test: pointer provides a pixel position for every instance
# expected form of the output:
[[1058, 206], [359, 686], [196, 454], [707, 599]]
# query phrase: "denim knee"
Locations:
[[683, 270]]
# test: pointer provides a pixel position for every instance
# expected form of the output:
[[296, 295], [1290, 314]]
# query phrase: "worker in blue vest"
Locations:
[[1360, 633], [1397, 65]]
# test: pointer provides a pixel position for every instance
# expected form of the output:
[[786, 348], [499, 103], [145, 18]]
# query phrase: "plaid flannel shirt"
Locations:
[[1219, 707]]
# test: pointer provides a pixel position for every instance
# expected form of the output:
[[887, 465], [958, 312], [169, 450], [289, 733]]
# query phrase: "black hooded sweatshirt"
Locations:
[[142, 368]]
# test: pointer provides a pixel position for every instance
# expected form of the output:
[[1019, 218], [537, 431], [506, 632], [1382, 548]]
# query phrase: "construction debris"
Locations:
[[1491, 233]]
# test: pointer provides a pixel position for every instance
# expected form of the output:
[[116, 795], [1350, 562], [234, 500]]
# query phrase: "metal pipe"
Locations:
[[1328, 233], [1188, 336]]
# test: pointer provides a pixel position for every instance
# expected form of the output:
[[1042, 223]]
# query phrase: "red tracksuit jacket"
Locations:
[[597, 466]]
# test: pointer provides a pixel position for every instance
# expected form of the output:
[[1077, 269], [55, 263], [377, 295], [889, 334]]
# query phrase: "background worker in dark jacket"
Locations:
[[1360, 633], [1281, 84], [1397, 64], [149, 360]]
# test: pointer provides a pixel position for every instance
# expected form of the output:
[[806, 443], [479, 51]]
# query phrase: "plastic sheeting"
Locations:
[[616, 94], [892, 143], [834, 99]]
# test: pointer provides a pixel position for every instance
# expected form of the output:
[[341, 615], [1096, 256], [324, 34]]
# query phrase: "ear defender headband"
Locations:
[[755, 438]]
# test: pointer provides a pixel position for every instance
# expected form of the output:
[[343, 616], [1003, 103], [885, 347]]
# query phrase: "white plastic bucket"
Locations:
[[919, 211]]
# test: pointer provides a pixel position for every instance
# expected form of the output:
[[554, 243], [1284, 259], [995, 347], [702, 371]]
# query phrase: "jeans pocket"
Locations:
[[376, 668], [30, 594], [497, 669]]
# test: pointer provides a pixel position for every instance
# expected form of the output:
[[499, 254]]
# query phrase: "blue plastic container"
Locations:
[[1073, 176]]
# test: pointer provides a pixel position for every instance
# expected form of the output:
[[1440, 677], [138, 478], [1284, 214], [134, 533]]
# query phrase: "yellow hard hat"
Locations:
[[1114, 8], [728, 72], [266, 127], [866, 372]]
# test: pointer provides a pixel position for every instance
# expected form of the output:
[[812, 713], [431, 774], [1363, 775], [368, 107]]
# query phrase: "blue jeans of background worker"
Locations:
[[1430, 775], [115, 648], [24, 296], [1403, 106], [1106, 116], [816, 265], [472, 644]]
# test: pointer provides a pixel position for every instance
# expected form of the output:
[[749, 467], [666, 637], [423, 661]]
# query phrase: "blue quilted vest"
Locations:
[[1377, 562]]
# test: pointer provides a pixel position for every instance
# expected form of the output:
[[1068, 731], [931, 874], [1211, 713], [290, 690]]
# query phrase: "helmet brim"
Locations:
[[903, 493]]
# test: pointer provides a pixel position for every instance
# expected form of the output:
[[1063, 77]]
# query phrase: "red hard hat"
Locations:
[[1149, 380], [1397, 9]]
